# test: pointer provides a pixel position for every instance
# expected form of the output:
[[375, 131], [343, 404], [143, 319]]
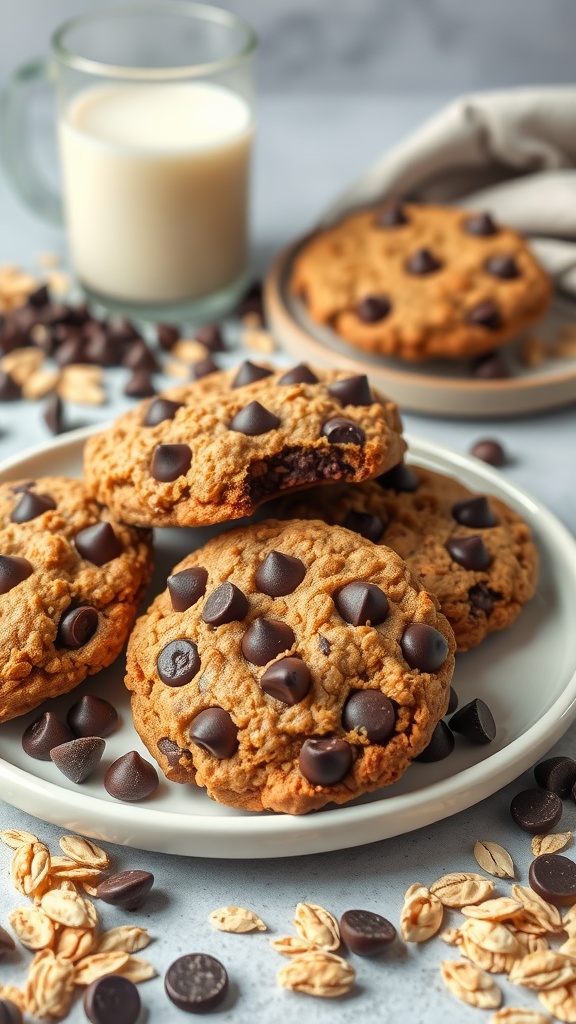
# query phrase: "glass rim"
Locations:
[[199, 11]]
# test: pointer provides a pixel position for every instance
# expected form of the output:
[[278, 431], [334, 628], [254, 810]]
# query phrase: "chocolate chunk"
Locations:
[[421, 262], [112, 999], [424, 647], [9, 1012], [452, 701], [187, 587], [366, 933], [370, 711], [7, 945], [279, 574], [225, 604], [98, 544], [214, 731], [475, 722], [536, 810], [92, 716], [553, 877], [254, 419], [441, 745], [470, 552], [204, 367], [475, 512], [324, 644], [265, 639], [172, 752], [485, 314], [71, 351], [160, 410], [288, 680], [489, 451], [491, 367], [126, 889], [53, 414], [9, 389], [400, 478], [556, 774], [339, 430], [361, 603], [196, 983], [393, 215], [39, 298], [369, 526], [77, 627], [167, 336], [169, 461], [325, 760], [139, 357], [211, 337], [140, 385], [43, 735], [373, 308], [102, 349], [13, 570], [352, 391], [78, 758], [131, 778], [504, 267], [300, 374], [481, 598], [481, 224], [32, 505], [178, 662], [248, 373]]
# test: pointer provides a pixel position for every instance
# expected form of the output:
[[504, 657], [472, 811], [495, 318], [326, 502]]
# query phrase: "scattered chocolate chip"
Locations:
[[178, 662], [9, 389], [489, 451], [139, 357], [78, 758], [485, 314], [22, 488], [504, 267], [324, 644], [373, 308], [400, 478], [204, 367], [187, 587], [98, 544], [248, 373], [481, 224], [7, 945], [254, 419], [366, 933], [214, 731], [470, 552], [424, 647], [441, 745], [475, 512], [71, 351], [126, 889], [339, 430], [279, 574], [300, 374], [556, 774], [211, 337], [169, 461], [325, 760], [265, 639], [482, 599], [361, 603], [167, 336], [369, 526], [422, 262], [13, 570], [371, 711], [393, 215], [112, 1000], [32, 505], [225, 604], [131, 778], [491, 367], [54, 414], [122, 329], [452, 701], [536, 810], [160, 410], [352, 391], [196, 983], [474, 721], [288, 680], [251, 302], [553, 877], [172, 752], [39, 298], [140, 385], [9, 1012], [77, 627], [102, 349], [92, 716], [44, 734]]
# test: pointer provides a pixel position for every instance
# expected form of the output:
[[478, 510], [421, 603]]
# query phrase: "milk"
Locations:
[[156, 189]]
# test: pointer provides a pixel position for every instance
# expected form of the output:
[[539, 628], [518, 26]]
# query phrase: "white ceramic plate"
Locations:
[[527, 675]]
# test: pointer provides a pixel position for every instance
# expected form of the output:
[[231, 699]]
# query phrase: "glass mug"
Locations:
[[155, 128]]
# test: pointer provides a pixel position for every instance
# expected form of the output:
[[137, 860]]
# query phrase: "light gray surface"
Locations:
[[308, 150]]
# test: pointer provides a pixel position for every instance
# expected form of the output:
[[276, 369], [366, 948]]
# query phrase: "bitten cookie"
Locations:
[[71, 577], [421, 281], [289, 665], [199, 456], [473, 553]]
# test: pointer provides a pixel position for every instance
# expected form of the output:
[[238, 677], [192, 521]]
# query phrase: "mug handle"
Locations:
[[14, 145]]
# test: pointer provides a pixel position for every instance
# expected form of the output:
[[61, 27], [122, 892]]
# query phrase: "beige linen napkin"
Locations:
[[511, 152]]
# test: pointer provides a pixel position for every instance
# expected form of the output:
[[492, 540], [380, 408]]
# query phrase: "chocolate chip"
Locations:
[[424, 647], [131, 778], [126, 889], [45, 733], [361, 603], [39, 298], [482, 599], [102, 349], [78, 758], [366, 933], [491, 367], [474, 721], [536, 810], [9, 389], [372, 712], [504, 267], [71, 351], [122, 329], [98, 544], [475, 512], [265, 639], [172, 752], [352, 391], [452, 701], [54, 414], [160, 410], [441, 745], [77, 627], [481, 224], [13, 570], [140, 385], [324, 644], [288, 680], [489, 451], [178, 662], [373, 308], [339, 430], [169, 461], [421, 262], [556, 774], [204, 367], [112, 1000], [225, 604], [9, 1012], [369, 526], [254, 419], [187, 587], [553, 877], [470, 552], [167, 336], [22, 488], [393, 215], [485, 314], [400, 479], [214, 731], [196, 982], [248, 373], [211, 337], [32, 505], [139, 357], [300, 374], [92, 716], [7, 945], [279, 574], [252, 301], [325, 760]]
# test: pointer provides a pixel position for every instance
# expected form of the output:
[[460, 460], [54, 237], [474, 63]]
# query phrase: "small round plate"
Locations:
[[440, 387]]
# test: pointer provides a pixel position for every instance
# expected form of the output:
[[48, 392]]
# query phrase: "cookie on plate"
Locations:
[[289, 665], [71, 578], [473, 553], [197, 456], [421, 281]]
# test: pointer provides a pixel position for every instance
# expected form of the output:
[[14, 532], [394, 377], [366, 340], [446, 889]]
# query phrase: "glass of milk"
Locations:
[[155, 128]]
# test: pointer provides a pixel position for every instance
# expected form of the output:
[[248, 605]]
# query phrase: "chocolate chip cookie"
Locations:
[[421, 281], [289, 665], [213, 451], [71, 577], [473, 553]]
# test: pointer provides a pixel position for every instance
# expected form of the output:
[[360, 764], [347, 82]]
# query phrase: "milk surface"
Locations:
[[156, 189]]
